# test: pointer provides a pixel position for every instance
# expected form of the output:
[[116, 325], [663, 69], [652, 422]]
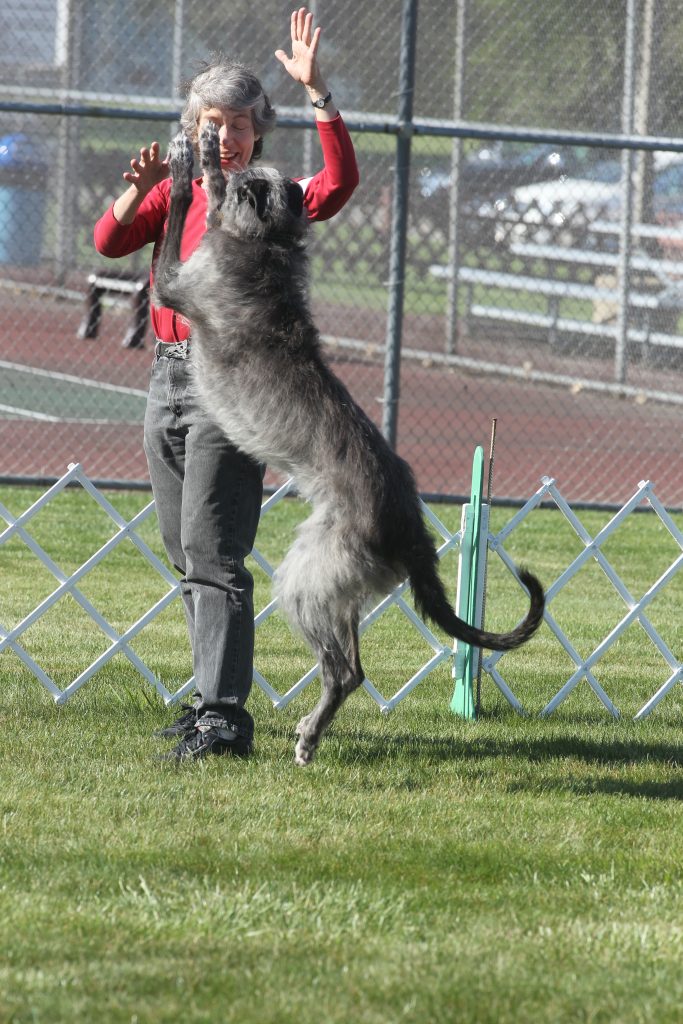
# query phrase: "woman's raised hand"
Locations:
[[303, 65], [147, 170]]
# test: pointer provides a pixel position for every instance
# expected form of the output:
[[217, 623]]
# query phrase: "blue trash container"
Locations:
[[23, 192]]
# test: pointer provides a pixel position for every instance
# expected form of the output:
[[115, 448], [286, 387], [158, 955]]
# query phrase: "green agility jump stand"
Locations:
[[471, 573]]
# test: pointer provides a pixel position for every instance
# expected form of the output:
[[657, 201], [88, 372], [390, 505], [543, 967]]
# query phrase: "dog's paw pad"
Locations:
[[209, 131], [180, 156], [209, 145]]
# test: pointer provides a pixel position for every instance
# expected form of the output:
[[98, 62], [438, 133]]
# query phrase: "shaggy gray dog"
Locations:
[[260, 372]]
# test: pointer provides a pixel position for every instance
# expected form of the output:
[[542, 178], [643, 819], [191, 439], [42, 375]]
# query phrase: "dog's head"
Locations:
[[262, 203]]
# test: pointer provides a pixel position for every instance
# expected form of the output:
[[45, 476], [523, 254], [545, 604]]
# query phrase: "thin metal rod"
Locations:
[[489, 493]]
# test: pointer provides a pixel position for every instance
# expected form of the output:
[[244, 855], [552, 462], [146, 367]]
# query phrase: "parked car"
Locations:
[[554, 210], [498, 167]]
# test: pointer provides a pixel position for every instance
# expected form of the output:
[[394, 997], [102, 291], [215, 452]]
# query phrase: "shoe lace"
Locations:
[[191, 741]]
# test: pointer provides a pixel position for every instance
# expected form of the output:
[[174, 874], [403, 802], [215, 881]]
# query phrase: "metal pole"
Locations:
[[453, 206], [307, 141], [642, 200], [176, 57], [625, 234], [399, 222], [66, 183], [177, 52]]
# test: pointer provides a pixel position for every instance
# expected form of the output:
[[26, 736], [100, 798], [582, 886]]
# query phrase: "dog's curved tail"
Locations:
[[432, 602]]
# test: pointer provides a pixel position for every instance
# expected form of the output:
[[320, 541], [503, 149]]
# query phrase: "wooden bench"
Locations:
[[136, 289], [664, 297]]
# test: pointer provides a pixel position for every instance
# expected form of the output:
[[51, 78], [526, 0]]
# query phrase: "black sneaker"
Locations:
[[209, 739], [182, 726]]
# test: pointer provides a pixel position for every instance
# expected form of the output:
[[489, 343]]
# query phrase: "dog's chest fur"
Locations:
[[258, 362], [257, 355]]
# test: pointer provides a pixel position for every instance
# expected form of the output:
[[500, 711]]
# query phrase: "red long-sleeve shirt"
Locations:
[[324, 195]]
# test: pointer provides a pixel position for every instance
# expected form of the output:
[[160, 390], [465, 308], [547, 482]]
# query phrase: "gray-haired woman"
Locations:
[[208, 494]]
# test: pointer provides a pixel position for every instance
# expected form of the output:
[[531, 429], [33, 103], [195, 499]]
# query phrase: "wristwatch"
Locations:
[[322, 102]]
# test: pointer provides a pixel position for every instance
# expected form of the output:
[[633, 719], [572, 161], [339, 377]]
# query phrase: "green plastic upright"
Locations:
[[462, 701]]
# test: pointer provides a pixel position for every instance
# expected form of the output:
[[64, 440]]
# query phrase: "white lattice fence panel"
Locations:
[[11, 639], [68, 585], [635, 608]]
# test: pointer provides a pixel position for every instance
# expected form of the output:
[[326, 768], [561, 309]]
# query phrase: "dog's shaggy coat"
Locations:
[[260, 373]]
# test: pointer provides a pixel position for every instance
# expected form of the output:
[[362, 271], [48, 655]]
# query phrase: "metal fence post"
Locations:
[[625, 239], [67, 185], [399, 222], [456, 158]]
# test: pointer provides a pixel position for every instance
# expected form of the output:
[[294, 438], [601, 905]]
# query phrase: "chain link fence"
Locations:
[[513, 250]]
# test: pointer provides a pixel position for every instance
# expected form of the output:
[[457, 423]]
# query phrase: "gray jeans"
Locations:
[[208, 500]]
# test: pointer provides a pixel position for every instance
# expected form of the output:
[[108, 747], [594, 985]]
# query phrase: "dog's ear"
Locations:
[[257, 193], [295, 198]]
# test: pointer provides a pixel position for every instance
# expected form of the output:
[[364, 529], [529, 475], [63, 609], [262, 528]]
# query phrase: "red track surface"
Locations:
[[597, 447]]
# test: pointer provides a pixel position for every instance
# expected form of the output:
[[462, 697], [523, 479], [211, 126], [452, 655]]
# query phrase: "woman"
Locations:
[[208, 495]]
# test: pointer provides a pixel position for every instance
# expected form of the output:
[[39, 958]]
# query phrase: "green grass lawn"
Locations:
[[423, 869]]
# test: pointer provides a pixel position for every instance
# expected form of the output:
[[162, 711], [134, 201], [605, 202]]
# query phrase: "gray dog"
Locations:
[[260, 372]]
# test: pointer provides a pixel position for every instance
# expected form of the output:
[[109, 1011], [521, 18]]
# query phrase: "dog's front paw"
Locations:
[[305, 748], [181, 161], [303, 753]]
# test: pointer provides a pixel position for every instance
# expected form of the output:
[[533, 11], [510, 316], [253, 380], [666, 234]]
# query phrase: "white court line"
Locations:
[[71, 379], [45, 418], [30, 414]]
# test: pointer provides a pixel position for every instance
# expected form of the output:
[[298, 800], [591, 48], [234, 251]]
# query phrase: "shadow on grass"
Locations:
[[523, 754], [357, 747], [605, 750], [520, 751], [646, 789]]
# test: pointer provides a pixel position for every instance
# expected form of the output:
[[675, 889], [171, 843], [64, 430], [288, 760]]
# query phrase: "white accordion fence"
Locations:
[[636, 610], [120, 644]]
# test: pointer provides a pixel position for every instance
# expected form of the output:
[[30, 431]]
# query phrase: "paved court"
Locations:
[[64, 399]]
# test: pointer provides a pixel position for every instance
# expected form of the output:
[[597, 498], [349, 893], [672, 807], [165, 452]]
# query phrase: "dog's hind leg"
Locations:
[[209, 148], [333, 668], [341, 674], [352, 652]]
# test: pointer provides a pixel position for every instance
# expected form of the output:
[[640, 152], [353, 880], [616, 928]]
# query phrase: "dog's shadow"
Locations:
[[607, 760]]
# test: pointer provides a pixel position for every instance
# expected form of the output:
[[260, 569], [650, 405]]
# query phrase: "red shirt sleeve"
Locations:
[[328, 190], [113, 239]]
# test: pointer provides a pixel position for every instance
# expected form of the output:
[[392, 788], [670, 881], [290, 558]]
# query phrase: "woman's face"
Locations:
[[236, 135]]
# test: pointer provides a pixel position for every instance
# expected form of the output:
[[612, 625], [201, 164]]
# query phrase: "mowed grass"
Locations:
[[516, 869]]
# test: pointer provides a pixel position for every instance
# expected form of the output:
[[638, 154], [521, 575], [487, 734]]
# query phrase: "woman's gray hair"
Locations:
[[225, 83]]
